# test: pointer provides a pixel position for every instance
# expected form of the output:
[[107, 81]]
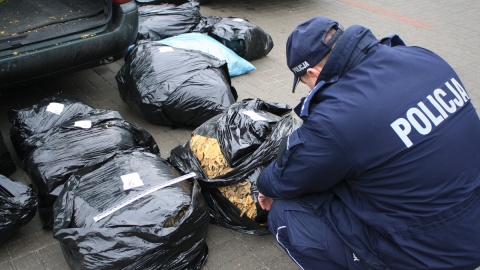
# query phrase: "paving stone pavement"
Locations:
[[449, 28]]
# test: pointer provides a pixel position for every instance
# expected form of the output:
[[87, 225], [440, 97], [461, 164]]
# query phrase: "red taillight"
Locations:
[[121, 1]]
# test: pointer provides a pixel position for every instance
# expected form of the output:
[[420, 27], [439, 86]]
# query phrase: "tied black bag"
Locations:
[[163, 230], [41, 117], [175, 87], [61, 151], [243, 37], [18, 205], [161, 21]]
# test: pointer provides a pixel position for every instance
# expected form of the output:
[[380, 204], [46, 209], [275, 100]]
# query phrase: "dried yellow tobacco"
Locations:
[[208, 152], [171, 221], [240, 195]]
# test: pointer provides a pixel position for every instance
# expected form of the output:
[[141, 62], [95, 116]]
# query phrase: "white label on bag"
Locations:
[[255, 116], [56, 108], [131, 180], [238, 20], [86, 124], [165, 49]]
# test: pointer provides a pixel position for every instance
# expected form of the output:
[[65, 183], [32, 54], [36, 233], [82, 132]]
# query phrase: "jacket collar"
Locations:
[[350, 49]]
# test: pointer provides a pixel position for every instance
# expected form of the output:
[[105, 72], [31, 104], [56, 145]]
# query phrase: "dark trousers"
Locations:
[[307, 239]]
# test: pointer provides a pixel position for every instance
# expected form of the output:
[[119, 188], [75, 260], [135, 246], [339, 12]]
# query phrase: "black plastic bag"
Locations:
[[157, 22], [7, 165], [41, 117], [65, 148], [164, 230], [18, 205], [243, 37], [175, 87], [206, 24], [248, 135]]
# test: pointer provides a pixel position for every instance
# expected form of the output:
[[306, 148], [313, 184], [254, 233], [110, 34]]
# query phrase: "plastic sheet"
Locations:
[[243, 37], [195, 41], [164, 230], [64, 149], [248, 136], [41, 117], [18, 205], [157, 22], [175, 87]]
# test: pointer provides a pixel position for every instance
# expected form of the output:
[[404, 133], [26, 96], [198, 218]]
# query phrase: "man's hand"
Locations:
[[264, 202]]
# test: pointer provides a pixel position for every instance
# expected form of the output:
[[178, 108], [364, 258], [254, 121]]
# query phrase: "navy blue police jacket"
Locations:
[[388, 155]]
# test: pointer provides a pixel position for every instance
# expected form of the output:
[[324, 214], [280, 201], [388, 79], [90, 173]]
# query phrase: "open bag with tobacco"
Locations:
[[228, 152]]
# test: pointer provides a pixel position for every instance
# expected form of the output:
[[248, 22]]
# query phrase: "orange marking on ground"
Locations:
[[388, 13]]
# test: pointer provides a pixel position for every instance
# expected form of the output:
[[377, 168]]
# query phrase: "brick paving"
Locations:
[[449, 28]]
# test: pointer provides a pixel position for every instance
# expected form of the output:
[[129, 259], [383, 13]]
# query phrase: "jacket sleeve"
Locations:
[[312, 162]]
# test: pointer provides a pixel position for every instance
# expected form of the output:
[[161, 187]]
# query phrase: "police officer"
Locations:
[[384, 173]]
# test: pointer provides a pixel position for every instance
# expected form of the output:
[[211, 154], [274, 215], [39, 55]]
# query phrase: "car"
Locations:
[[45, 38]]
